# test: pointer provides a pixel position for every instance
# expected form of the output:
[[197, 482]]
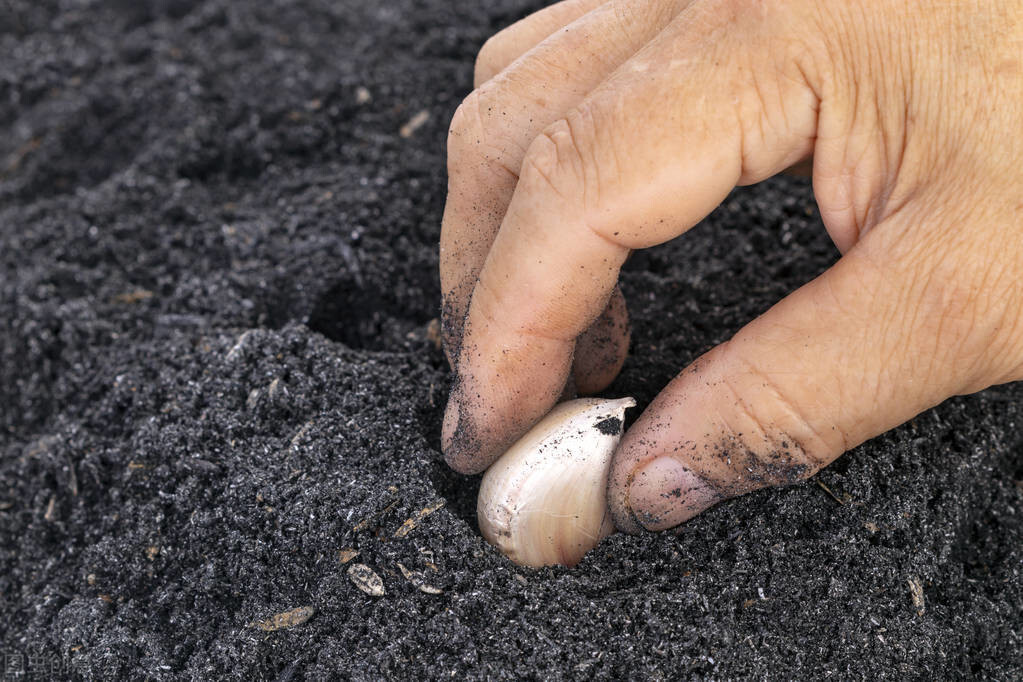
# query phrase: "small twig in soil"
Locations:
[[828, 491], [51, 509], [364, 524], [409, 525], [287, 619], [414, 124], [916, 594]]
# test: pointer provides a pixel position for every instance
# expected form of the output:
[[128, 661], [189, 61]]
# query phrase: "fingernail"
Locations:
[[665, 493]]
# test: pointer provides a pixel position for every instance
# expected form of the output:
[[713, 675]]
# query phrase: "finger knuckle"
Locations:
[[481, 143], [465, 125], [556, 159], [491, 59]]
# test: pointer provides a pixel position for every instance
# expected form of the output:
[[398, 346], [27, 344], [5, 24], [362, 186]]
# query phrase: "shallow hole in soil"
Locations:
[[459, 491], [365, 319]]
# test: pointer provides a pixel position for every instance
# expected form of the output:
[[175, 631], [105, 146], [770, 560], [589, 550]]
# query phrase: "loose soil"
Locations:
[[221, 396]]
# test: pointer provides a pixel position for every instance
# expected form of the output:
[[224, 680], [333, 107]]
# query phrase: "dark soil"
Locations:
[[217, 372]]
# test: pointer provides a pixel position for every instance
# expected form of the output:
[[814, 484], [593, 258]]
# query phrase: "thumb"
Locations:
[[875, 340]]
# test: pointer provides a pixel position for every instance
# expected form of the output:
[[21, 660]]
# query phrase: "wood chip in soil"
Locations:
[[417, 518], [285, 620], [916, 593], [417, 579]]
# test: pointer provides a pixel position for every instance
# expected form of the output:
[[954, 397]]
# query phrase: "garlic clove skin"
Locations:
[[544, 501]]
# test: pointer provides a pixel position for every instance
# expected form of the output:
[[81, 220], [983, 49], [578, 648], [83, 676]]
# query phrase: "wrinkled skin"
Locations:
[[597, 128]]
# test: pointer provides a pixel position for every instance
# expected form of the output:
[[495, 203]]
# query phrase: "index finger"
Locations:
[[640, 161]]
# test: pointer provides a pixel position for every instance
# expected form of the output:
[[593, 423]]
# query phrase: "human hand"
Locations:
[[598, 128]]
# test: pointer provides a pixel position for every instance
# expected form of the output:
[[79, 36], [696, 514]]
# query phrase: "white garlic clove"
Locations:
[[544, 501]]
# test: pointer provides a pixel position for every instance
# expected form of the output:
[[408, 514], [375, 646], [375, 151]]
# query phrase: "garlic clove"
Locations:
[[544, 501]]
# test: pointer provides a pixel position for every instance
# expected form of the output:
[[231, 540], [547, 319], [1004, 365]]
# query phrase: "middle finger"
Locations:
[[494, 126]]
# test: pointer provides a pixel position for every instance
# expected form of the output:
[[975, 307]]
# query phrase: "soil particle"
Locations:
[[611, 426]]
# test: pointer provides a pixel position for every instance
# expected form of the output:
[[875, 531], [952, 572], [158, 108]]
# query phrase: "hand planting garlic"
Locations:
[[544, 501]]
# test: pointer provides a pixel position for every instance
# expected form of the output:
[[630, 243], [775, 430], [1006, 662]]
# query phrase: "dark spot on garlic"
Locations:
[[611, 426]]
